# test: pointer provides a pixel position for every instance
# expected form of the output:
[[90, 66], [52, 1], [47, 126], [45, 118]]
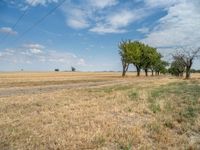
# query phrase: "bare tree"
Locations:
[[187, 57]]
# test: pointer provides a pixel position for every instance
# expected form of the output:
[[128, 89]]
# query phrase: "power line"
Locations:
[[18, 20], [41, 19]]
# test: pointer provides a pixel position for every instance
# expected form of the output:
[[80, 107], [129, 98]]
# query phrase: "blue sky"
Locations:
[[86, 33]]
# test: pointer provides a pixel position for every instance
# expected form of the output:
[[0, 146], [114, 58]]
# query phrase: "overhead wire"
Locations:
[[40, 20], [17, 21]]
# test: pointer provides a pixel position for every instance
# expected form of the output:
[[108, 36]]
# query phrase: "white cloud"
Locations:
[[102, 29], [39, 57], [116, 22], [161, 3], [76, 18], [102, 3], [143, 30], [40, 2], [122, 19], [35, 51], [98, 16], [77, 24], [34, 46], [8, 30], [180, 27]]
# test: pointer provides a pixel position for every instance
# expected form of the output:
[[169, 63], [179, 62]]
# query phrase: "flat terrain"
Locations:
[[63, 110]]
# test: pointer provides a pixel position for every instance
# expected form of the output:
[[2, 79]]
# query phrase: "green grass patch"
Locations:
[[133, 95], [111, 89], [179, 99]]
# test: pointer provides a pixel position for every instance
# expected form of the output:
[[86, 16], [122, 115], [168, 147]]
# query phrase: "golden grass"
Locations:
[[102, 116]]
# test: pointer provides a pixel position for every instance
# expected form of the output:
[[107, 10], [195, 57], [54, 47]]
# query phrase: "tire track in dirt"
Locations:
[[16, 91]]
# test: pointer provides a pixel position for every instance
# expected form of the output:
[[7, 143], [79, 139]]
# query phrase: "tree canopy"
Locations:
[[142, 56]]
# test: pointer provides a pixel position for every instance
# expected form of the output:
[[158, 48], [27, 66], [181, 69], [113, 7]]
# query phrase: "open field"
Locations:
[[66, 110]]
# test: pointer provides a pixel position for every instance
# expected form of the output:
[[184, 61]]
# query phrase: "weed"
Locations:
[[189, 112], [126, 147], [99, 141], [154, 128], [155, 107], [133, 95], [168, 124]]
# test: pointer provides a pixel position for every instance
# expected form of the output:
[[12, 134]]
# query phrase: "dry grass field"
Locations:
[[75, 111]]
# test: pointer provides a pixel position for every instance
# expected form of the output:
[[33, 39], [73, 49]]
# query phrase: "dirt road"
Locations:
[[14, 91]]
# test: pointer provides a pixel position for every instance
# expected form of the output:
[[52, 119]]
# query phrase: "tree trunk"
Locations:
[[152, 72], [181, 74], [125, 68], [138, 71], [188, 68], [146, 72], [187, 72], [156, 73], [123, 73]]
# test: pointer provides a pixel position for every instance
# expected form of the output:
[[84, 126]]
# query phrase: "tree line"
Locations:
[[147, 58], [142, 56]]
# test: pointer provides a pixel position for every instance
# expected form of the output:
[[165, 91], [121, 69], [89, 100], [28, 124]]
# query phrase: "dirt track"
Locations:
[[15, 91]]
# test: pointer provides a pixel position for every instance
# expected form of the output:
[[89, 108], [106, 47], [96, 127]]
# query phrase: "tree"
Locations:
[[56, 70], [187, 57], [160, 67], [131, 53], [149, 58], [136, 55], [125, 56], [73, 69], [177, 67], [146, 58], [141, 56], [155, 63]]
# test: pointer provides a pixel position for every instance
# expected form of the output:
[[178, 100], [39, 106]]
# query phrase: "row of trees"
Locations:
[[142, 56], [145, 57]]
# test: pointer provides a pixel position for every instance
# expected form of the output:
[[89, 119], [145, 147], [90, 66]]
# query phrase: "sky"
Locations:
[[85, 33]]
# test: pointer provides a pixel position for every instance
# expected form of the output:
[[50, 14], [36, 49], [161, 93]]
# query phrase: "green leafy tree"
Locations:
[[141, 56], [136, 55], [160, 67], [149, 58], [177, 67], [124, 51], [131, 53]]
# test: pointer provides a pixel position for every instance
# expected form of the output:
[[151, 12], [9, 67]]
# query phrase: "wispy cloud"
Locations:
[[116, 22], [8, 30], [32, 46], [99, 17], [37, 54], [40, 2], [161, 3], [102, 3], [144, 30], [178, 28], [77, 18]]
